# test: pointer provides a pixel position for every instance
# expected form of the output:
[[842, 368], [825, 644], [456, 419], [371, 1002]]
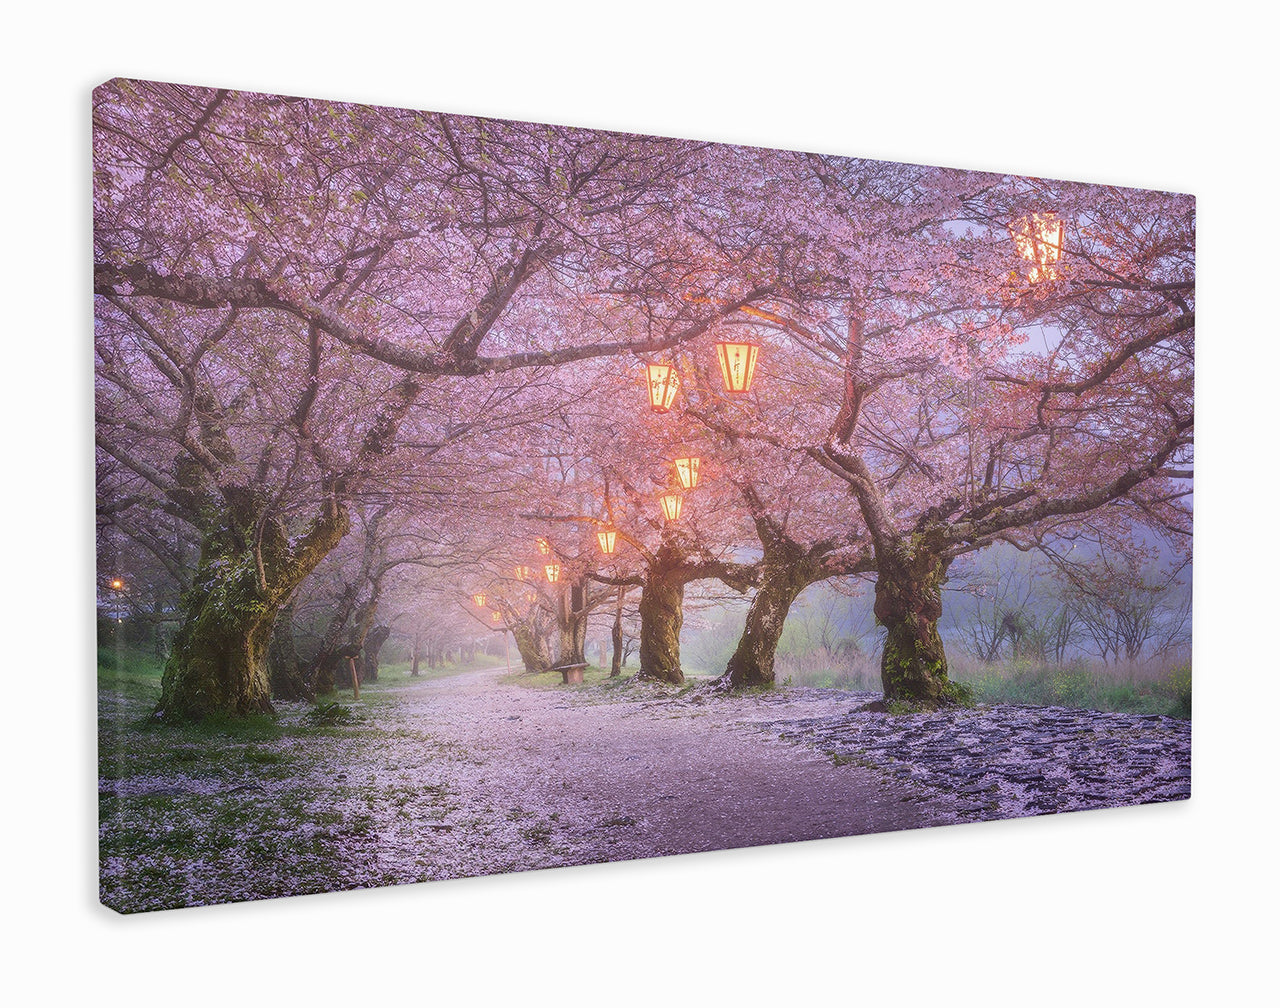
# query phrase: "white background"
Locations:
[[1171, 903]]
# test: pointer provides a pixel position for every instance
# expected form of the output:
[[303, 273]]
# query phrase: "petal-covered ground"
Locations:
[[468, 775]]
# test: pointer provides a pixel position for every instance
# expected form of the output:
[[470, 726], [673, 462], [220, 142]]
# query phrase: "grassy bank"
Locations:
[[1131, 689], [1148, 688], [197, 813]]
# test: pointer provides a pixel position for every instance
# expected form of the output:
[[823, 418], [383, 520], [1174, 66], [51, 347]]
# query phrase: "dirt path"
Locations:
[[478, 777], [467, 775]]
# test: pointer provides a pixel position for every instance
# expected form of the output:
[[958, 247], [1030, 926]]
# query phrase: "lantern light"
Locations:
[[553, 573], [117, 584], [1038, 239], [608, 539], [671, 505], [523, 572], [737, 365], [544, 545], [480, 598], [664, 383], [497, 617], [687, 471]]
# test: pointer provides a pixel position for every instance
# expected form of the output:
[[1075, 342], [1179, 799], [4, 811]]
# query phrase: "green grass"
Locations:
[[135, 673], [248, 808], [1130, 690]]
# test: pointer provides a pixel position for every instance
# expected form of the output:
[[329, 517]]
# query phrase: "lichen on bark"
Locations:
[[913, 666]]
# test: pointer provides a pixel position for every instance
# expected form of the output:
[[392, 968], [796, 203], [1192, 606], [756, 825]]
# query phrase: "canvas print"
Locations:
[[477, 496]]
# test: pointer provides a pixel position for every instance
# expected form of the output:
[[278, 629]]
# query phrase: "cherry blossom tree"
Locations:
[[964, 395], [308, 311], [281, 283]]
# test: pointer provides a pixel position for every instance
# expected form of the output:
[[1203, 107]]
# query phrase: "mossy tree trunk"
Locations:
[[373, 642], [573, 640], [661, 617], [661, 606], [913, 667], [751, 664], [571, 620], [326, 667], [247, 570], [287, 679], [532, 646], [615, 666]]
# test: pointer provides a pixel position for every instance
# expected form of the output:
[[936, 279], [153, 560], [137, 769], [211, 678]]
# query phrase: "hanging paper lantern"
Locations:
[[664, 383], [523, 572], [544, 545], [671, 505], [480, 598], [608, 539], [1038, 239], [687, 471], [553, 573], [737, 365], [117, 584]]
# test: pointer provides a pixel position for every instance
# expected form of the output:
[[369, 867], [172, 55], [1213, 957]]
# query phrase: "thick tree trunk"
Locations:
[[615, 667], [573, 639], [532, 647], [373, 642], [661, 616], [327, 671], [287, 680], [218, 663], [908, 604], [752, 662]]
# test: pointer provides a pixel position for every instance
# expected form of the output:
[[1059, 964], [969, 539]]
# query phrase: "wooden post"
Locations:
[[355, 678]]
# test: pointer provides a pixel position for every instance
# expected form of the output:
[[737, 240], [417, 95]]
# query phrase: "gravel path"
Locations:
[[538, 778], [465, 776]]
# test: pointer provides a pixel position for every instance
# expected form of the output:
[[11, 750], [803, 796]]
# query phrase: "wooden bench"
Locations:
[[571, 674]]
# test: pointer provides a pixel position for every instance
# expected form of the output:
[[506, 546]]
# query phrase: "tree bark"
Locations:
[[661, 617], [373, 642], [287, 680], [532, 647], [615, 667], [326, 668], [245, 574], [572, 643], [913, 667], [752, 662]]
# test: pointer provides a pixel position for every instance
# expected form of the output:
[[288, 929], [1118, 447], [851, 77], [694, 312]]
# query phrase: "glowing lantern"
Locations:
[[553, 573], [671, 505], [497, 617], [608, 539], [664, 383], [737, 365], [1038, 239], [522, 573], [480, 598], [544, 545], [117, 584], [687, 471]]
